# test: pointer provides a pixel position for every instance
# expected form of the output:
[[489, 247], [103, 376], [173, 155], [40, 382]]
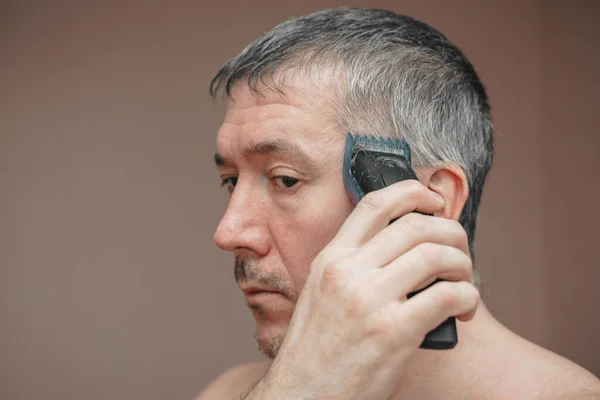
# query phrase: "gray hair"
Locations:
[[399, 77]]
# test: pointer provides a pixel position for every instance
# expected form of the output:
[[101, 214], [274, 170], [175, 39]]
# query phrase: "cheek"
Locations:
[[308, 232]]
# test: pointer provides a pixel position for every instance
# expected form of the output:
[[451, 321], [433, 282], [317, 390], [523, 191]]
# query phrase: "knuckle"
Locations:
[[459, 232], [372, 201], [333, 268], [472, 293], [413, 222], [380, 326], [434, 259], [415, 190], [429, 252], [319, 264], [356, 301], [388, 327], [330, 279], [457, 225], [428, 256], [446, 295], [466, 264], [459, 265]]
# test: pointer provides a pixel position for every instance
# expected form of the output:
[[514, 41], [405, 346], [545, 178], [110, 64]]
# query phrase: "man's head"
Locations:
[[292, 96]]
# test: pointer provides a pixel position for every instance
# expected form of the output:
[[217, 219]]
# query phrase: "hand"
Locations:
[[353, 328]]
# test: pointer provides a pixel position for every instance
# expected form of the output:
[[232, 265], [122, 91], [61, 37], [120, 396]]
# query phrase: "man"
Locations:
[[326, 281]]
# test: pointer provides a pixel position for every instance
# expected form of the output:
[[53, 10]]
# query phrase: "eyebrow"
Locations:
[[278, 146]]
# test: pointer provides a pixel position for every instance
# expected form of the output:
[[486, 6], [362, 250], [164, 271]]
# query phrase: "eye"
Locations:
[[230, 182], [284, 182]]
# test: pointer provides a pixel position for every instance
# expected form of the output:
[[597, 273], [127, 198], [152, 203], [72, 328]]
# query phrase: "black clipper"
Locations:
[[372, 163]]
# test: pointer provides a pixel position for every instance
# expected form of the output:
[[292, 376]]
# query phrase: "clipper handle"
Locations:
[[375, 170]]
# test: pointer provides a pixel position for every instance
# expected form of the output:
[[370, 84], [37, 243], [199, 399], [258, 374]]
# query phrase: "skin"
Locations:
[[291, 236]]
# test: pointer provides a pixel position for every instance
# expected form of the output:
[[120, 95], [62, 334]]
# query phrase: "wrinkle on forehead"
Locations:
[[250, 112], [303, 112]]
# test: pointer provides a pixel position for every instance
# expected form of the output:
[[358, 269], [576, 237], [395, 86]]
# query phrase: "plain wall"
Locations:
[[110, 285]]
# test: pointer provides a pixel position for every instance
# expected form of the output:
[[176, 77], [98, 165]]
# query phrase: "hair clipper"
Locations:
[[372, 163]]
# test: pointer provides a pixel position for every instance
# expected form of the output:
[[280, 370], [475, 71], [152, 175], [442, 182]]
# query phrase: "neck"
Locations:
[[434, 373]]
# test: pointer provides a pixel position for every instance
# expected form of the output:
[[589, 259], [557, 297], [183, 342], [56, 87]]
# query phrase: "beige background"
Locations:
[[110, 286]]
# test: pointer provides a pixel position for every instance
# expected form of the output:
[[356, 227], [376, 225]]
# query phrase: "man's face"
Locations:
[[281, 159]]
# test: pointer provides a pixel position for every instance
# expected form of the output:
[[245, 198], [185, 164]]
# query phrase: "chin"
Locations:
[[269, 337], [272, 315]]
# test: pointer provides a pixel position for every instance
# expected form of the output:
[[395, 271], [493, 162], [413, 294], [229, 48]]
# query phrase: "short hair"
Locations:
[[399, 77]]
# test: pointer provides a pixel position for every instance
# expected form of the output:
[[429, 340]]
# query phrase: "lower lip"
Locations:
[[258, 296]]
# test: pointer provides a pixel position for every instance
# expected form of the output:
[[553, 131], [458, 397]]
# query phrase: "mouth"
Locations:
[[258, 294], [251, 291]]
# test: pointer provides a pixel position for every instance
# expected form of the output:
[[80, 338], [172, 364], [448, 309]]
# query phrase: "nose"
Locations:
[[245, 224]]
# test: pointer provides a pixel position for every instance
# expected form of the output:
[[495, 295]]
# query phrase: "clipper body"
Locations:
[[372, 163]]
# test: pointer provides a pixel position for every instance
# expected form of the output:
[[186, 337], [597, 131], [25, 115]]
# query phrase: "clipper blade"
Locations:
[[366, 143]]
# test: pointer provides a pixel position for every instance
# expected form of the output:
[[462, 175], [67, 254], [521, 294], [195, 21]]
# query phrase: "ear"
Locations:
[[451, 183]]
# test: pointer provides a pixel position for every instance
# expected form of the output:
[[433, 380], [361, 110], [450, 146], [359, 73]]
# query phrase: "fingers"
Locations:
[[420, 267], [442, 300], [428, 309], [375, 211], [409, 231], [402, 257]]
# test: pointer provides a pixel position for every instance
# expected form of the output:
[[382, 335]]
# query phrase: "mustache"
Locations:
[[246, 270]]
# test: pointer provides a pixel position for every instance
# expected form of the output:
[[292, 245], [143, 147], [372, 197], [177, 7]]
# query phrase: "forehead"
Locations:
[[303, 115]]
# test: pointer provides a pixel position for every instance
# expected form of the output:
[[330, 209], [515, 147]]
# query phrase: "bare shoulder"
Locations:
[[569, 381], [581, 394], [506, 366], [234, 381], [557, 378]]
